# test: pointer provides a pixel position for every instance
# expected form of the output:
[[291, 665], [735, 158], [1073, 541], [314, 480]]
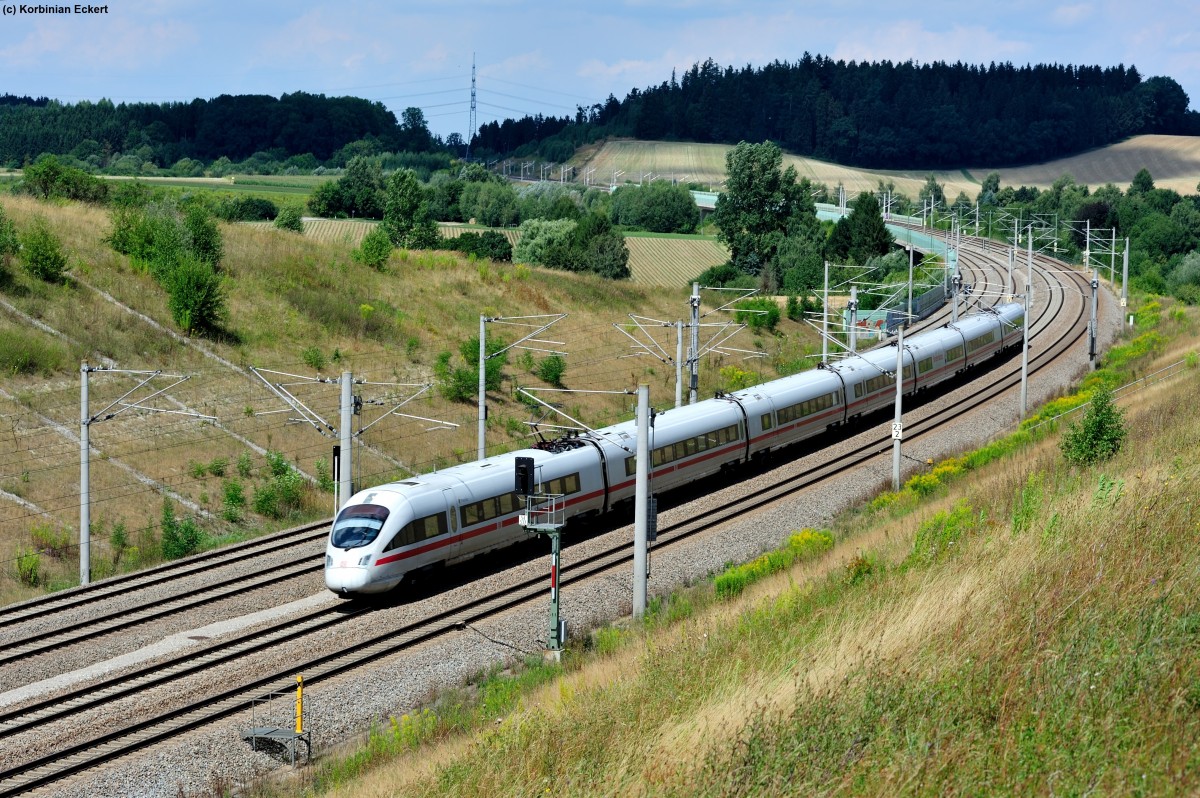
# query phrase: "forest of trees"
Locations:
[[879, 115], [311, 129]]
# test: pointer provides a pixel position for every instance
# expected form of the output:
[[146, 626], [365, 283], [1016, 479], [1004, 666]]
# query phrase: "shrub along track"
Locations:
[[68, 755]]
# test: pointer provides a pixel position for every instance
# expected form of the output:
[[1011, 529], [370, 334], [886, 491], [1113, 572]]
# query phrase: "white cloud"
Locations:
[[910, 40], [1070, 16], [110, 44], [525, 66]]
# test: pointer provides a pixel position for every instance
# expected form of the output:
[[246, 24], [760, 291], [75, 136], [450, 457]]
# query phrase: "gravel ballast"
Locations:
[[343, 708]]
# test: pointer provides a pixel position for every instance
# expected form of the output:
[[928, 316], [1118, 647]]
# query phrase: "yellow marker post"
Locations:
[[299, 705]]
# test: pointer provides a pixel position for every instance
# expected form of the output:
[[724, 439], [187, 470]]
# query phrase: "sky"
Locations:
[[533, 56]]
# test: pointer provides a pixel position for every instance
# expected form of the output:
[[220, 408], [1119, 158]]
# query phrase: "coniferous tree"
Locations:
[[869, 236]]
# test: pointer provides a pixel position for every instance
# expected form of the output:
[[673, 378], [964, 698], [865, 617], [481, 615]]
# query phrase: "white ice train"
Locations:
[[387, 531]]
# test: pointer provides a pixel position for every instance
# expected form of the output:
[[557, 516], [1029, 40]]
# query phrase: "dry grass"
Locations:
[[653, 260], [1058, 652], [294, 302]]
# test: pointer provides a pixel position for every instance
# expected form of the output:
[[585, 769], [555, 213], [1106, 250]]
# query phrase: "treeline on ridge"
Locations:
[[874, 114], [311, 129]]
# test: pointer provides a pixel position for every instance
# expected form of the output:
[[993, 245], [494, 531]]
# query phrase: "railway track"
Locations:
[[203, 568], [128, 584], [68, 759]]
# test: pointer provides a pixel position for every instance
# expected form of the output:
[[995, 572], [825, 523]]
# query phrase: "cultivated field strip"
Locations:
[[112, 744], [672, 261], [1174, 162]]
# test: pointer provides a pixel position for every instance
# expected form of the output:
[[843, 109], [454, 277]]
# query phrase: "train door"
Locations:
[[455, 544]]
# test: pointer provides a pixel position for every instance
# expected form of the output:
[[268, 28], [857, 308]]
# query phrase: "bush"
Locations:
[[277, 463], [1099, 435], [551, 370], [41, 253], [455, 384], [246, 209], [313, 357], [490, 244], [758, 313], [196, 296], [281, 496], [324, 475], [734, 378], [204, 238], [289, 218], [859, 568], [374, 250], [179, 537], [724, 275], [539, 237], [234, 501], [52, 542], [29, 565]]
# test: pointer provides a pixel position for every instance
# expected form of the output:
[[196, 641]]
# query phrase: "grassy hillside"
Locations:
[[298, 306], [654, 260], [1174, 161], [1008, 624]]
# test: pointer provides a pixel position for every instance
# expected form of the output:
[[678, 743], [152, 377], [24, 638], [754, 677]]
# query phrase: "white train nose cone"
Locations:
[[346, 579]]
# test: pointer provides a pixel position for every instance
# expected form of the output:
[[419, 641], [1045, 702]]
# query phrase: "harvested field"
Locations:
[[1173, 161]]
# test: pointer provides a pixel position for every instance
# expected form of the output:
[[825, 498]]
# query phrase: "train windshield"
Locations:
[[358, 525]]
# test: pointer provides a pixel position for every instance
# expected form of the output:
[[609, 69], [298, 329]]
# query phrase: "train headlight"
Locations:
[[366, 560], [328, 561]]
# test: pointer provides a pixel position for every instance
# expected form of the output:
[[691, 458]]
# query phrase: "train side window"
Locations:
[[954, 353], [858, 390], [431, 525], [766, 421], [562, 485], [630, 466], [925, 365], [420, 529], [908, 372], [470, 513], [402, 538]]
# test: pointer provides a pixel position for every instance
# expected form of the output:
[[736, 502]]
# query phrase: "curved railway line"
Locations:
[[48, 729]]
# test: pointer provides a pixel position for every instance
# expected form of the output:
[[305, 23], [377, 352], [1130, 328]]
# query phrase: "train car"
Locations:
[[686, 443], [386, 532], [787, 410]]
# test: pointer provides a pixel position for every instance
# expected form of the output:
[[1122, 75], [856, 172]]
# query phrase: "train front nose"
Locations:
[[346, 575]]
